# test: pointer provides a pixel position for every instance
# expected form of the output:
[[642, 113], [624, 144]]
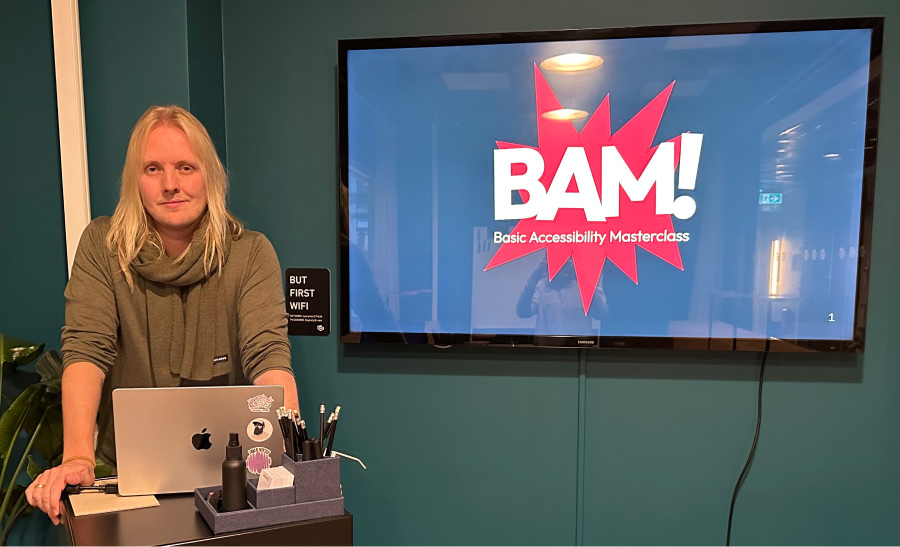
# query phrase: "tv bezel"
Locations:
[[856, 345]]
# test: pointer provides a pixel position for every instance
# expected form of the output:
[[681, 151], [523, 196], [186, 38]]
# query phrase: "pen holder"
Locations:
[[314, 479], [316, 494]]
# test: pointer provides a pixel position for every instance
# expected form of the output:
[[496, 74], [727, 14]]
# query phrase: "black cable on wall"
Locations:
[[749, 462]]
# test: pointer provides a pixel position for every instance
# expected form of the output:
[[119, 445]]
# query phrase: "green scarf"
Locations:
[[187, 329]]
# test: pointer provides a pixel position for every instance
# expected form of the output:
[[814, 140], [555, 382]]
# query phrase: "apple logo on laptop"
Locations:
[[201, 440]]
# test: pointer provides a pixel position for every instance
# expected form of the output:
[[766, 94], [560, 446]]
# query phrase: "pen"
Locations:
[[293, 440], [333, 431], [303, 434], [105, 488], [287, 433], [298, 430], [322, 421], [295, 430], [281, 423]]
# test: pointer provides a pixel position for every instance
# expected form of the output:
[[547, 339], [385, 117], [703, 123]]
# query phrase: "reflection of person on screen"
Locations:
[[557, 303]]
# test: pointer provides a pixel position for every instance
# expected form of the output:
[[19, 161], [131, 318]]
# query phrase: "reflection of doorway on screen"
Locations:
[[496, 291]]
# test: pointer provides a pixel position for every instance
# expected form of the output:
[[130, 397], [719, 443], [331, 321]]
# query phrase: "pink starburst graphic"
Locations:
[[633, 143]]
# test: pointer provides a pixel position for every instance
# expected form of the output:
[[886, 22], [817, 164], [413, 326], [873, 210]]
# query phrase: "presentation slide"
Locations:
[[681, 186]]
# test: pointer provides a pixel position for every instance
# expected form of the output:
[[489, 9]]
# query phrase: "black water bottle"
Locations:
[[234, 476]]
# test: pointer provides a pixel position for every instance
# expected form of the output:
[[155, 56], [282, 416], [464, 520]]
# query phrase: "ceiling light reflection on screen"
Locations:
[[775, 274], [572, 62], [564, 114]]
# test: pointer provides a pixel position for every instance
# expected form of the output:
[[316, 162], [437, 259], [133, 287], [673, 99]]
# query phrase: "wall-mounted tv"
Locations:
[[697, 187]]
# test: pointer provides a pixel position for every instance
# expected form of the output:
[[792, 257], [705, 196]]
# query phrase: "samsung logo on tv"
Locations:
[[587, 342]]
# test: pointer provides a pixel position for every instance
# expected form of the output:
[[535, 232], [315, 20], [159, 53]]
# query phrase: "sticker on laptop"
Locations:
[[259, 429], [258, 458], [260, 403]]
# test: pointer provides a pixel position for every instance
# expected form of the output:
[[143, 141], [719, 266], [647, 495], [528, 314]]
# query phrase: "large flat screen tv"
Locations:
[[703, 186]]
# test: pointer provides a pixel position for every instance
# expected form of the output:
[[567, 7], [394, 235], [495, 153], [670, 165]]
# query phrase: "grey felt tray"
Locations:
[[316, 494], [252, 517]]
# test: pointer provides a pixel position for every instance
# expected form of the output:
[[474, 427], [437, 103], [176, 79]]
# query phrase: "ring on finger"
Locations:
[[38, 485]]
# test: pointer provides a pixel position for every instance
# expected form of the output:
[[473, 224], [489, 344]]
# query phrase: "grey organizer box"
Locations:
[[316, 494]]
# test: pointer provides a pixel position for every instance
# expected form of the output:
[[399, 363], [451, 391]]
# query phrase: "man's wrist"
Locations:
[[80, 458]]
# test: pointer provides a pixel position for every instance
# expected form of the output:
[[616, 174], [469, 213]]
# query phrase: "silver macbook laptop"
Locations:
[[172, 440]]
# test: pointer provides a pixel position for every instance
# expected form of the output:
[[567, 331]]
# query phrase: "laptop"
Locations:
[[171, 440]]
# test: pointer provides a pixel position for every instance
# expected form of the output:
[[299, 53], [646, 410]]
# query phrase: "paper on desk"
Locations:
[[92, 503]]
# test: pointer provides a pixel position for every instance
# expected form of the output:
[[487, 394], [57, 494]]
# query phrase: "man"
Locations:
[[169, 291], [557, 303]]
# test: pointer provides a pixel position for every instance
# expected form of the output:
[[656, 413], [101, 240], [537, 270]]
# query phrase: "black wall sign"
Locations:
[[307, 295]]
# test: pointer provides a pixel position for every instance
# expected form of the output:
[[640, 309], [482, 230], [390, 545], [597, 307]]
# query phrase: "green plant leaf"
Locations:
[[15, 414], [17, 491], [49, 366], [33, 468], [15, 352], [103, 469], [49, 399], [49, 441], [31, 419]]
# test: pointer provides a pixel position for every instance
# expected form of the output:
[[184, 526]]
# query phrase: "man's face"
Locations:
[[172, 187]]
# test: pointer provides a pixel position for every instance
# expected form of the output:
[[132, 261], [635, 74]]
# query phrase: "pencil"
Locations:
[[333, 431]]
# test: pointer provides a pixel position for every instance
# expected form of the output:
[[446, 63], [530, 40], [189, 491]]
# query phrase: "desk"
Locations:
[[177, 522]]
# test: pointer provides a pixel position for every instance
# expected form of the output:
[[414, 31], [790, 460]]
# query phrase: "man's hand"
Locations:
[[284, 379], [46, 489]]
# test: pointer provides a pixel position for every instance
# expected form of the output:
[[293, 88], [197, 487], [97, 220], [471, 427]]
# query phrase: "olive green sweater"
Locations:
[[106, 321]]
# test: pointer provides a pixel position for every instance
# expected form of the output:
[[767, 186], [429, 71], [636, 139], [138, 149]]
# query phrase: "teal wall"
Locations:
[[32, 234], [644, 447], [647, 445], [205, 69]]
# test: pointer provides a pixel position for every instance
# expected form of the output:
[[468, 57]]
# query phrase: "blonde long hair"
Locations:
[[132, 227]]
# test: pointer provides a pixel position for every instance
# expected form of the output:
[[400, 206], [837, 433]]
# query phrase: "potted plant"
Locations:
[[34, 415]]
